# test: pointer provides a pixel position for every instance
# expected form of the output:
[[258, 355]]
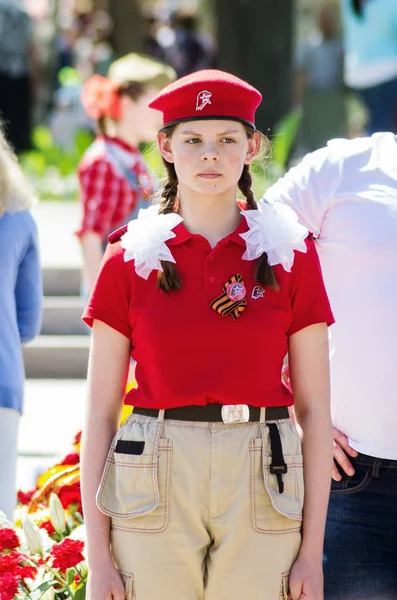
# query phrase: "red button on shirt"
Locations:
[[186, 352]]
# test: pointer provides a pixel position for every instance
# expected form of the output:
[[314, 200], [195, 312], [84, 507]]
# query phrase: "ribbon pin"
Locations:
[[233, 300]]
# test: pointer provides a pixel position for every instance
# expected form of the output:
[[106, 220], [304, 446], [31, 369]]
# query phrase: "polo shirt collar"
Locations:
[[182, 234]]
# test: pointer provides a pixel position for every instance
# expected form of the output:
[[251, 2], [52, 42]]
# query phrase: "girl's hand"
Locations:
[[306, 580], [105, 584]]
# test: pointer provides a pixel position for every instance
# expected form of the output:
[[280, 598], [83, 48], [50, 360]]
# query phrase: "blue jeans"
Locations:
[[381, 101], [360, 551]]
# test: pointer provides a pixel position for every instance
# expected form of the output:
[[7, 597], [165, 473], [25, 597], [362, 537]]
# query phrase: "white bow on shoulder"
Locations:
[[144, 240], [274, 229]]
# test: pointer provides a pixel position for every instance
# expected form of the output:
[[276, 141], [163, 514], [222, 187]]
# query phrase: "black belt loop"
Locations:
[[278, 466]]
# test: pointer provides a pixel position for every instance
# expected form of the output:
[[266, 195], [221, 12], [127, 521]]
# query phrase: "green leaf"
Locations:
[[69, 76], [42, 138], [33, 162], [71, 574], [82, 139], [284, 134], [41, 589], [80, 592]]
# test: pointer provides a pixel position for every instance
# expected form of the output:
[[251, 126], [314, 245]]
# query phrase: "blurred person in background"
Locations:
[[370, 32], [18, 73], [192, 50], [346, 195], [20, 310], [114, 178], [318, 83]]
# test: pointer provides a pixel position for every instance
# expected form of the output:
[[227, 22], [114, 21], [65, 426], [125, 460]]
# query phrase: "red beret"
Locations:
[[208, 94]]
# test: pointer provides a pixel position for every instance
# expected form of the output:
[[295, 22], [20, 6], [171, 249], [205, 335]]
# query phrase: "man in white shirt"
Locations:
[[346, 194]]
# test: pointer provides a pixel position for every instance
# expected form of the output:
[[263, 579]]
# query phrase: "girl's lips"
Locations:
[[209, 175]]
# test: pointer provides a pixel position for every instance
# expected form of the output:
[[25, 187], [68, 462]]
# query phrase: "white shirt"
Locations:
[[346, 194]]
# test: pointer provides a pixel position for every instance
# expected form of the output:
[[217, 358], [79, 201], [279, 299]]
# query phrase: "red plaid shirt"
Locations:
[[107, 197]]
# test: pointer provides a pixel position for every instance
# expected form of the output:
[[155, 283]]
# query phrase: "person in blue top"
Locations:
[[20, 309], [370, 39]]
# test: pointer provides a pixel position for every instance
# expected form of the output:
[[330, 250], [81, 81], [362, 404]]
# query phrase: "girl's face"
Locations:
[[142, 120], [209, 156]]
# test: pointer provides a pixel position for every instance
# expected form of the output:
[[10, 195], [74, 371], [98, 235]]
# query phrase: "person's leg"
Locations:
[[360, 551], [158, 503], [254, 542], [9, 423]]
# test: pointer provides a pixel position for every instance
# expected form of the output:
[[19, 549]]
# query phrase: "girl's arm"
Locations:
[[309, 372], [107, 374], [29, 291], [91, 245]]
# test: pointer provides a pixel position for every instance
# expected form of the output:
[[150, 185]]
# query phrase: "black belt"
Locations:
[[212, 413]]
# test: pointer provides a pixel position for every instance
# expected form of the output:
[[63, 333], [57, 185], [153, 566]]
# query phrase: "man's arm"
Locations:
[[309, 187]]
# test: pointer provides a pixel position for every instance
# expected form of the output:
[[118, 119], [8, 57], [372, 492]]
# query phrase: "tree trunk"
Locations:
[[255, 43], [128, 26]]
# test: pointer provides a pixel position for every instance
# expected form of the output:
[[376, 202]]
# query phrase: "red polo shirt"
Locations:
[[186, 352]]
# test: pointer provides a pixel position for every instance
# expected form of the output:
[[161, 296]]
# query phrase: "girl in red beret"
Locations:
[[206, 490]]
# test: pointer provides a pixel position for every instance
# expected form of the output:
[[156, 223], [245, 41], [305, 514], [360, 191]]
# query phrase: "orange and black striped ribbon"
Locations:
[[224, 306]]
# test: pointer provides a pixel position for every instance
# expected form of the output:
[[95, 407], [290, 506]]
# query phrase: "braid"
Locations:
[[264, 273], [169, 279], [245, 187]]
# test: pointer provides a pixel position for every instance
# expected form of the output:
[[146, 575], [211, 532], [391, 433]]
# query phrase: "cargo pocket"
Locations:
[[134, 489], [128, 581], [284, 589], [272, 511]]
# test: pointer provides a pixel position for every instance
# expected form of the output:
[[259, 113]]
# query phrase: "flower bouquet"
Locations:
[[42, 553]]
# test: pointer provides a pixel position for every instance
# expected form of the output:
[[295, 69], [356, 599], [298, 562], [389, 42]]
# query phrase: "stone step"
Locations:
[[57, 357], [61, 281], [62, 316]]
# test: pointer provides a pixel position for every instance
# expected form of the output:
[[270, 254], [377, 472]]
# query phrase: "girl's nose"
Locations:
[[209, 155]]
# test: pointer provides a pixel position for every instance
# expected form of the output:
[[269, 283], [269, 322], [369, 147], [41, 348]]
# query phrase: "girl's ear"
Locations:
[[253, 148], [164, 143]]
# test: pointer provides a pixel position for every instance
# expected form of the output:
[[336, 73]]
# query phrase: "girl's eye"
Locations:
[[228, 140], [193, 141]]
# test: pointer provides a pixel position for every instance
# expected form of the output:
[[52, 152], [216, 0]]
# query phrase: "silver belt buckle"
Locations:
[[235, 413]]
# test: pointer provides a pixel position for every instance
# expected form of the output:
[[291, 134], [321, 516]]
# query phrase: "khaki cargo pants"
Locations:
[[196, 513]]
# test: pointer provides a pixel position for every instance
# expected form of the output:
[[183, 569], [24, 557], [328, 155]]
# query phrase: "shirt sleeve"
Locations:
[[309, 300], [309, 187], [110, 298], [29, 290]]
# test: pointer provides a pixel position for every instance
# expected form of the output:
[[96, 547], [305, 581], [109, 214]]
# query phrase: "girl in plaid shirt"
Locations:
[[114, 179]]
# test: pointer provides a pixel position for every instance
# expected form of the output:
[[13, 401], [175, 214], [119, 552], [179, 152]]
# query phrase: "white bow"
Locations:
[[144, 240], [274, 229]]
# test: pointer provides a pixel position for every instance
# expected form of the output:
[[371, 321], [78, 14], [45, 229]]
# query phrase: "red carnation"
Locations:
[[48, 526], [67, 554], [77, 438], [8, 539], [70, 494], [9, 586], [14, 564], [25, 497], [71, 459], [9, 563]]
